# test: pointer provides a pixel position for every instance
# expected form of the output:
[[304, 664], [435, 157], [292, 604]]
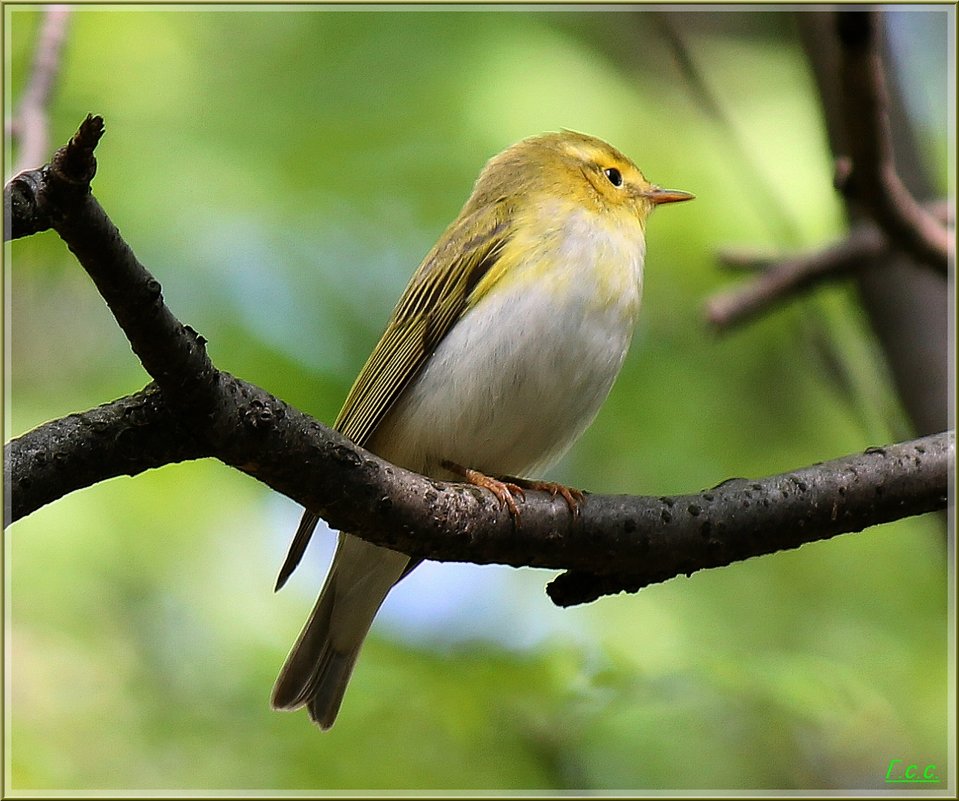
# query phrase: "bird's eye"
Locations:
[[615, 176]]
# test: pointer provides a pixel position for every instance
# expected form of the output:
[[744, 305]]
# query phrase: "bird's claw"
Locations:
[[508, 488]]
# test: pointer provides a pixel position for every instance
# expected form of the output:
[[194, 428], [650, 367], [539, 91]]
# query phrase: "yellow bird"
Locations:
[[498, 355]]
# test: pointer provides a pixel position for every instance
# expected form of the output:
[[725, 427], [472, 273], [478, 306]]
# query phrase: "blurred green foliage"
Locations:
[[282, 171]]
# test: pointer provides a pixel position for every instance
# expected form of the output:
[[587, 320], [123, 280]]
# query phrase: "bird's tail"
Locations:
[[321, 662]]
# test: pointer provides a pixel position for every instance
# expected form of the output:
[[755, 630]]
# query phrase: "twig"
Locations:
[[30, 124], [874, 180], [792, 277], [172, 353], [781, 280]]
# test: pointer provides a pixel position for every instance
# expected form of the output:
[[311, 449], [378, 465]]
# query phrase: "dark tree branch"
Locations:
[[616, 543], [874, 183], [29, 125], [32, 199], [194, 410], [124, 437], [906, 303], [874, 180], [741, 518], [782, 280], [172, 353]]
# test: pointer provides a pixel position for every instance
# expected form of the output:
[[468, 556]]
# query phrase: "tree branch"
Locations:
[[29, 126], [906, 303], [616, 542], [783, 280], [172, 353], [741, 518], [124, 437], [194, 410], [874, 180]]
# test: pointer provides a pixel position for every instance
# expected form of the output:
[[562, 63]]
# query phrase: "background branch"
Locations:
[[779, 281], [874, 180], [639, 539], [906, 303], [859, 102], [753, 181], [29, 126]]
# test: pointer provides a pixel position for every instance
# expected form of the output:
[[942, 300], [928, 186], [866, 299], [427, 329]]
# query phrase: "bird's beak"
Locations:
[[657, 195]]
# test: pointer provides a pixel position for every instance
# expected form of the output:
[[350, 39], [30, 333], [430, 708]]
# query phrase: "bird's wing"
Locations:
[[432, 302]]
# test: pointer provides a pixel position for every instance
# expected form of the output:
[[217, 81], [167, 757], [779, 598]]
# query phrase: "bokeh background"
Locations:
[[282, 171]]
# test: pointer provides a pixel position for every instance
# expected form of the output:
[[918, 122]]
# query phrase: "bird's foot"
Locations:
[[508, 488], [574, 498], [503, 490]]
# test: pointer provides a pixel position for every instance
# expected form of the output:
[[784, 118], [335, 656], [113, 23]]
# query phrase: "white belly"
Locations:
[[523, 373]]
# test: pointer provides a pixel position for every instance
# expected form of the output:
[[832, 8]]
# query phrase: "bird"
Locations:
[[496, 358]]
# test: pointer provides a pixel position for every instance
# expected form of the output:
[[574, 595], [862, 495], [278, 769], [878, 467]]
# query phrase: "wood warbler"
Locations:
[[496, 358]]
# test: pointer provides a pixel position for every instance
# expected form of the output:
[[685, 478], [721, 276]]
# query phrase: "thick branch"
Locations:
[[631, 541], [741, 518], [195, 410], [875, 181], [124, 437]]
